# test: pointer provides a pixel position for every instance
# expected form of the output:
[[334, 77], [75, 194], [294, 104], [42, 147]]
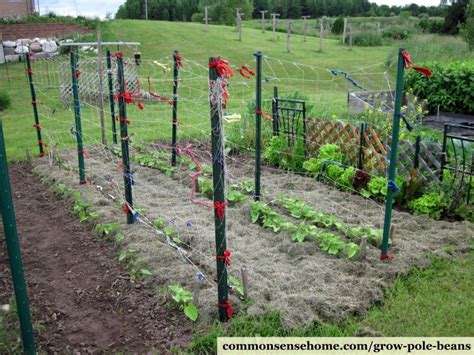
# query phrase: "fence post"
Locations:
[[14, 252], [127, 172], [416, 160], [258, 124], [275, 111], [111, 95], [444, 153], [100, 73], [175, 108], [29, 70], [360, 166], [219, 194], [77, 116], [393, 158]]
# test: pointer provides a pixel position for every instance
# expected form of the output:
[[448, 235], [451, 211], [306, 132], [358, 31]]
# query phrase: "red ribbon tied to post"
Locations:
[[220, 207], [222, 67], [179, 60], [243, 70], [225, 257], [228, 307], [409, 64], [264, 115]]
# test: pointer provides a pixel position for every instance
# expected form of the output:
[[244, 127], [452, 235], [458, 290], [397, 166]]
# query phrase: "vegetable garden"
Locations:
[[249, 217]]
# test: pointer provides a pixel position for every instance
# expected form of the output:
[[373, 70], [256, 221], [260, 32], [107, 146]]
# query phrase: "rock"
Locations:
[[9, 44], [42, 41], [68, 40], [50, 47], [35, 47], [23, 42], [12, 58], [9, 51], [36, 39], [85, 48], [21, 49]]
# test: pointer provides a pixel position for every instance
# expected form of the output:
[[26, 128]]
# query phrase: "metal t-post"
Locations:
[[175, 109], [111, 95], [258, 124], [14, 252], [393, 156]]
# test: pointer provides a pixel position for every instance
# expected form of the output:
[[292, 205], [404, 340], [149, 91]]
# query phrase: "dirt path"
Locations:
[[78, 290]]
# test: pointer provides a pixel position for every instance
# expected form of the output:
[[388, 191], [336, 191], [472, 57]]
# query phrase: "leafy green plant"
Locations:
[[107, 229], [83, 209], [431, 204], [205, 186], [184, 300], [236, 284], [234, 196], [133, 264], [273, 152]]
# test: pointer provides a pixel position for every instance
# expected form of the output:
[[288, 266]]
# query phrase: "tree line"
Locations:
[[223, 11]]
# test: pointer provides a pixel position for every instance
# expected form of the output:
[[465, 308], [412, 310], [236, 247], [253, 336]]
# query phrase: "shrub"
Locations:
[[5, 101], [365, 39], [197, 17], [338, 26], [397, 33], [450, 87]]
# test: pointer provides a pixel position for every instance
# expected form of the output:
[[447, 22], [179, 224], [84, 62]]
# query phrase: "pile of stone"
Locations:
[[39, 47]]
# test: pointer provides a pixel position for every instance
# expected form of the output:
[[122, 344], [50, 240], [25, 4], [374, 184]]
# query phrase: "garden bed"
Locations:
[[299, 280]]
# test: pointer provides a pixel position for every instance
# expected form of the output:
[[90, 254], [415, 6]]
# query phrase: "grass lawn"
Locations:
[[310, 76]]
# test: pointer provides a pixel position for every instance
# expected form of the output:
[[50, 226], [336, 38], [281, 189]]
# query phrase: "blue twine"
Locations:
[[346, 77], [131, 178], [392, 186], [135, 215]]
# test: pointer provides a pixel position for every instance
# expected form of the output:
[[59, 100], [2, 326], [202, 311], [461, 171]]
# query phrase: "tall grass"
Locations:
[[430, 47]]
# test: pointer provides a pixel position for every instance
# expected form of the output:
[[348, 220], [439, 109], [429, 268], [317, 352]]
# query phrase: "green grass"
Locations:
[[10, 342], [438, 301], [158, 40]]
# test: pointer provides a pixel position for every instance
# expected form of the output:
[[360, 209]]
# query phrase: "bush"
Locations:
[[450, 87], [431, 26], [338, 26], [197, 17], [5, 101], [396, 33], [365, 39], [432, 204]]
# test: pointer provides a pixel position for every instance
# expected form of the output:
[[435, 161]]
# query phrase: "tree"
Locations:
[[468, 29], [455, 17], [338, 26]]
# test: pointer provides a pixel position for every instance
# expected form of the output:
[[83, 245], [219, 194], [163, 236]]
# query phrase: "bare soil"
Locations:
[[299, 280], [78, 290]]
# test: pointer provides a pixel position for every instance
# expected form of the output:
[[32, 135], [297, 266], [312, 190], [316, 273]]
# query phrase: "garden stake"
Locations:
[[14, 252], [363, 128], [363, 248], [258, 124], [275, 112], [77, 116], [393, 157], [245, 281], [127, 178], [175, 108], [34, 103], [416, 160], [219, 195], [111, 95]]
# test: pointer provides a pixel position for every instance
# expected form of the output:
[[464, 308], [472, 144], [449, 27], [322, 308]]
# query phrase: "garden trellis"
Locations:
[[170, 205]]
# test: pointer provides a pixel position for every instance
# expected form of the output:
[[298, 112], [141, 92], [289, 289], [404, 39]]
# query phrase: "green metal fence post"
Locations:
[[111, 95], [14, 252], [219, 194], [127, 172], [77, 116], [175, 108], [29, 70], [393, 157], [258, 124]]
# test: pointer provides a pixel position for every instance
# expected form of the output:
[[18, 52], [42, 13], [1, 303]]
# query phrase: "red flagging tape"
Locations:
[[83, 152], [409, 64], [228, 307], [162, 98], [222, 67], [243, 70], [220, 207], [179, 60], [386, 256], [264, 115], [225, 257], [37, 126], [121, 119]]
